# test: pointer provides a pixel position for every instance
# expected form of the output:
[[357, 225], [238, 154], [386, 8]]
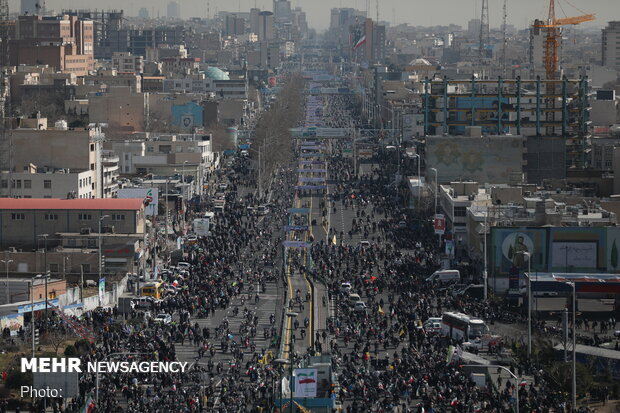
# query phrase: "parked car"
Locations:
[[445, 276], [163, 318], [360, 307]]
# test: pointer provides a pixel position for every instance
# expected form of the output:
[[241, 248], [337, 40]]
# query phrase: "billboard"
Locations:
[[101, 290], [149, 194], [13, 322], [556, 249], [305, 382]]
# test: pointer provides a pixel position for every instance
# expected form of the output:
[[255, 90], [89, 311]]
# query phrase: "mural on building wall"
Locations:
[[556, 249], [480, 159], [188, 116]]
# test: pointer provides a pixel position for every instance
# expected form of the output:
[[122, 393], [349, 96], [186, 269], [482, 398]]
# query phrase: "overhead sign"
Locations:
[[306, 187], [296, 228], [312, 170], [149, 195], [37, 306], [440, 224], [298, 210], [319, 179], [305, 382], [296, 244], [332, 132]]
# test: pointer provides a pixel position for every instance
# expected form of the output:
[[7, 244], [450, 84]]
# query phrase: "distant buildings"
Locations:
[[174, 10], [611, 45], [62, 42]]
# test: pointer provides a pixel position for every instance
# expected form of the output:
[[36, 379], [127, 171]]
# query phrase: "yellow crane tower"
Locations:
[[553, 34]]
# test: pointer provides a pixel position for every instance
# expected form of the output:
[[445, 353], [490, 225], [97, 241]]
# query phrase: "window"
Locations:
[[85, 268], [47, 184], [17, 183], [118, 217], [27, 183], [18, 216], [460, 211], [85, 217], [92, 147], [53, 267], [4, 183], [92, 166], [51, 217], [149, 149], [92, 243]]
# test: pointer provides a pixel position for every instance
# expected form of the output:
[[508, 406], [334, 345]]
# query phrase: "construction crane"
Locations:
[[553, 25], [5, 141], [552, 58]]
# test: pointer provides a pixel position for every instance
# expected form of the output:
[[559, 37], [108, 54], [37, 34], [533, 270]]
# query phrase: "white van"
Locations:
[[445, 276]]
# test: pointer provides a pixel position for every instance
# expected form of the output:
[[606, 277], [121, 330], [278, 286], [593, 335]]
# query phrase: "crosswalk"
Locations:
[[265, 307]]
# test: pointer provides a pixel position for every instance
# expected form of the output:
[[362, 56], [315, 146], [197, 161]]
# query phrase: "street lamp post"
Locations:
[[291, 349], [8, 296], [484, 271], [436, 189], [574, 384], [505, 369], [529, 303], [32, 307], [101, 218], [417, 155], [45, 270]]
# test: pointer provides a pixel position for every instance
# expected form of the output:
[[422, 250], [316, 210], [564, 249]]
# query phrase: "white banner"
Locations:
[[305, 382], [151, 194], [574, 254]]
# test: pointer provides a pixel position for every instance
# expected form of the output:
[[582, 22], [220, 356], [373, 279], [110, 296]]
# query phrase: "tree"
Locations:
[[55, 338]]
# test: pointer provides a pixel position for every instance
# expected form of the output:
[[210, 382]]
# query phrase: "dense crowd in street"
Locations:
[[383, 359]]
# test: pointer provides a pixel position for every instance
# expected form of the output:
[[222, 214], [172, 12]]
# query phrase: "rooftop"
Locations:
[[131, 204]]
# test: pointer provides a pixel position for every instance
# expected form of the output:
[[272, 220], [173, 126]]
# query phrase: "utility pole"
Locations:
[[484, 29], [505, 45]]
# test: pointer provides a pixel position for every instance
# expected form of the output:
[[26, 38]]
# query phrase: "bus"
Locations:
[[459, 326], [153, 289]]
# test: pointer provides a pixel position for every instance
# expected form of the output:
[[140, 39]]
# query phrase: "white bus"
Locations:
[[459, 326]]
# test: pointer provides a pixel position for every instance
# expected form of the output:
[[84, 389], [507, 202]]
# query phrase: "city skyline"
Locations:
[[393, 11]]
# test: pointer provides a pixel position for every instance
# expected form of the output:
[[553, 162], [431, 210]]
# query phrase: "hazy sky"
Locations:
[[415, 12]]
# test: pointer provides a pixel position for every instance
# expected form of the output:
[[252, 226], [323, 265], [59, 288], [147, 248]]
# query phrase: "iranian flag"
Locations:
[[360, 42], [89, 406]]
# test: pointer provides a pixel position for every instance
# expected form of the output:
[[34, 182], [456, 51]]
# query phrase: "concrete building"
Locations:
[[120, 108], [48, 183], [164, 154], [109, 173], [173, 10], [62, 42], [59, 148], [112, 78], [254, 20], [234, 26], [611, 45], [23, 221], [125, 62], [488, 159], [265, 26]]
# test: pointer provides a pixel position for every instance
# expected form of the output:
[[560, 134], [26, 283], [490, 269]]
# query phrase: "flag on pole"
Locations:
[[359, 42]]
